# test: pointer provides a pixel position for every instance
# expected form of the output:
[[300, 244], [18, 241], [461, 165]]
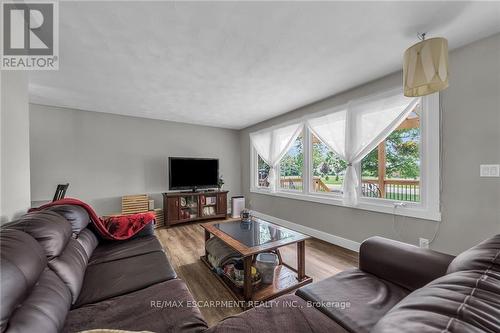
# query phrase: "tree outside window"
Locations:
[[292, 166], [328, 168], [398, 178]]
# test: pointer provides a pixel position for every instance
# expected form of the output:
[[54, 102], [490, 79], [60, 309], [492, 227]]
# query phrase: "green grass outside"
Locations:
[[331, 180], [394, 196]]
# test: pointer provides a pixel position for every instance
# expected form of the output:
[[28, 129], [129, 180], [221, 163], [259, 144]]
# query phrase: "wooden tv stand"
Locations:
[[180, 207]]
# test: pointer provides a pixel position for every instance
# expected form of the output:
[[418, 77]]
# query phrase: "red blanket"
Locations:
[[115, 227]]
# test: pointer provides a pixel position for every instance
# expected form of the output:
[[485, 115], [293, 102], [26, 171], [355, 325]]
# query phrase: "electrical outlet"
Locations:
[[489, 170], [424, 243]]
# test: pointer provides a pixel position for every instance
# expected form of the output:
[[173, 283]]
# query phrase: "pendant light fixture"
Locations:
[[425, 68]]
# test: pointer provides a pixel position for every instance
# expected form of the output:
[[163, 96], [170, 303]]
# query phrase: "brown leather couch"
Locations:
[[57, 275], [397, 288]]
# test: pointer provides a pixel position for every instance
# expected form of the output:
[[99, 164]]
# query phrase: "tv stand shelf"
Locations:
[[180, 207]]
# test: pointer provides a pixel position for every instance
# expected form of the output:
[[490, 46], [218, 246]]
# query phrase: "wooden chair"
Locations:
[[60, 191]]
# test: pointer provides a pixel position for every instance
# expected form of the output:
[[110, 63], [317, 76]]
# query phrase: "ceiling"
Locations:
[[234, 64]]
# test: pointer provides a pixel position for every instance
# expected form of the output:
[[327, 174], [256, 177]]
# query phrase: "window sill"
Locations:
[[374, 205]]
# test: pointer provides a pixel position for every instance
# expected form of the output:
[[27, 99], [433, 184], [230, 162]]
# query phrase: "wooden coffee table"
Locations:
[[250, 239]]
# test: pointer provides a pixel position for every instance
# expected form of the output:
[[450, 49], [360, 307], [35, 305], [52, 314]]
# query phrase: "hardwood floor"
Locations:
[[184, 244]]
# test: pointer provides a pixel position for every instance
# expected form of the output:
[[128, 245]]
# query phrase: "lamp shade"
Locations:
[[425, 68]]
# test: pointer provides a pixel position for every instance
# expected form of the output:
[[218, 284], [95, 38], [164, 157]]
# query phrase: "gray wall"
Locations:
[[471, 136], [105, 156], [14, 147]]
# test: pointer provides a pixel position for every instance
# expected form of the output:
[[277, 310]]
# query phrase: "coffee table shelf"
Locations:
[[286, 278], [285, 281]]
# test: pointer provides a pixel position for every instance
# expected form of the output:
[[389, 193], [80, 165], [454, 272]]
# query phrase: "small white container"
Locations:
[[265, 264], [237, 205]]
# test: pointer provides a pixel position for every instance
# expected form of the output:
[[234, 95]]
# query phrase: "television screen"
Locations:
[[190, 173]]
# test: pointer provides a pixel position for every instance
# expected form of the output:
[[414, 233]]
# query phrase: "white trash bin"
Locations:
[[265, 264]]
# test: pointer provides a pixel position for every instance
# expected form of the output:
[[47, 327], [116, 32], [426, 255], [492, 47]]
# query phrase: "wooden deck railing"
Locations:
[[394, 189], [295, 183], [291, 183]]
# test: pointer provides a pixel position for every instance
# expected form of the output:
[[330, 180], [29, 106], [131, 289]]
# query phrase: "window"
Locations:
[[262, 173], [402, 169], [292, 166], [392, 170], [327, 167]]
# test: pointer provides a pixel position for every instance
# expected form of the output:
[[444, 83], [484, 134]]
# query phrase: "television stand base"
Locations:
[[188, 206]]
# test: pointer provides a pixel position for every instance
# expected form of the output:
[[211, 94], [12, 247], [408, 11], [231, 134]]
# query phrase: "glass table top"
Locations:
[[254, 232]]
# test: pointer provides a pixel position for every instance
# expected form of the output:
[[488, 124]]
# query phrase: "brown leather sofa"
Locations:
[[397, 288], [57, 275]]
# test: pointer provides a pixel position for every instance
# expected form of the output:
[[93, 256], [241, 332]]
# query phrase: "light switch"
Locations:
[[489, 170]]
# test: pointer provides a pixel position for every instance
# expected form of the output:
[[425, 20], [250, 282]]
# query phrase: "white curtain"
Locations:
[[356, 130], [272, 144]]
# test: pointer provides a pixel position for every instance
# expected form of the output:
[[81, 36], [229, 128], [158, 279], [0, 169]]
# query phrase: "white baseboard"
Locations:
[[343, 242]]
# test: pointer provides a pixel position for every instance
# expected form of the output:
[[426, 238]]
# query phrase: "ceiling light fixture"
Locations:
[[425, 68]]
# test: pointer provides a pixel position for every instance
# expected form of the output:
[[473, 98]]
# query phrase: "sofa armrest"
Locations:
[[406, 265]]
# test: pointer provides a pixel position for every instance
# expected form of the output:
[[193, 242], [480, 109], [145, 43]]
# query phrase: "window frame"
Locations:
[[429, 206], [278, 169]]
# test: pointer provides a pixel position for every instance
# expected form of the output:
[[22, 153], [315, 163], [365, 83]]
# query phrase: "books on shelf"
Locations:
[[208, 210], [210, 200]]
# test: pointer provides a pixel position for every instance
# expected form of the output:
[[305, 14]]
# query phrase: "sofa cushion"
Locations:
[[77, 216], [466, 301], [50, 229], [163, 307], [479, 257], [88, 240], [118, 277], [70, 266], [353, 298], [115, 250], [287, 313], [22, 260], [45, 309]]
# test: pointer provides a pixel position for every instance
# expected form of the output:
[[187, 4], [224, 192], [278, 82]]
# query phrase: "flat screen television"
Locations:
[[192, 173]]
